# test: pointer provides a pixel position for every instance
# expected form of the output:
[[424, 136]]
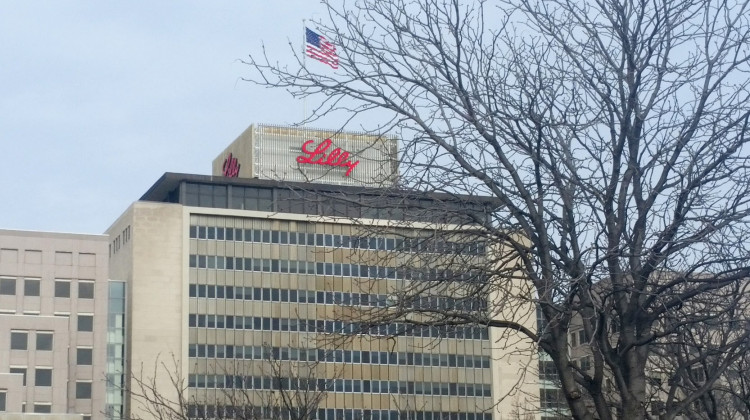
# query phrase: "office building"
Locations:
[[261, 263]]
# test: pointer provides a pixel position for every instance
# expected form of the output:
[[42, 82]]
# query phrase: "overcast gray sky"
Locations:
[[98, 99]]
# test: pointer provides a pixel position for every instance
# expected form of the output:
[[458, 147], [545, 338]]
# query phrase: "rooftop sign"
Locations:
[[336, 158], [298, 154]]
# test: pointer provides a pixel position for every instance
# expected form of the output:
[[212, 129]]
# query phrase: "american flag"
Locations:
[[318, 48]]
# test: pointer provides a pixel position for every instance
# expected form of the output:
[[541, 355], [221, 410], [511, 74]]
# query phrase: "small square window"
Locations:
[[62, 288], [44, 341], [84, 356], [43, 377], [31, 287], [7, 286], [86, 290], [19, 340], [83, 390], [85, 322], [42, 408]]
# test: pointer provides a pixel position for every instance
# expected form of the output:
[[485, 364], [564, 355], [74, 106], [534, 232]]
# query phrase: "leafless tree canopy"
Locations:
[[615, 135]]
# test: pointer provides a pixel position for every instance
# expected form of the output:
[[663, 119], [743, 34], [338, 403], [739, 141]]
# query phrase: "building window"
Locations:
[[62, 288], [19, 340], [7, 286], [547, 370], [551, 398], [20, 371], [42, 408], [84, 356], [583, 338], [42, 377], [44, 341], [83, 390], [574, 339], [31, 287], [2, 400], [85, 322], [86, 290], [585, 363], [205, 195]]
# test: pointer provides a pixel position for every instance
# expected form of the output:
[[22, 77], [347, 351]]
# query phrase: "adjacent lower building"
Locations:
[[53, 324]]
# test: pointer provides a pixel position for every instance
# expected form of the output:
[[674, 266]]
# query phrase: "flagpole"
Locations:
[[304, 66]]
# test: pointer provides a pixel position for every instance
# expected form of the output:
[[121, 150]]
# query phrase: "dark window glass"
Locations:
[[43, 377], [19, 340], [85, 290], [7, 286], [42, 408], [31, 287], [43, 341], [83, 390], [84, 357], [85, 323], [62, 289]]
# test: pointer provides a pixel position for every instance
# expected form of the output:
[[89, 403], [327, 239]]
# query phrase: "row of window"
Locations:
[[338, 356], [337, 327], [422, 245], [267, 265], [340, 385], [266, 294], [19, 340], [32, 287], [201, 412], [326, 204], [43, 375]]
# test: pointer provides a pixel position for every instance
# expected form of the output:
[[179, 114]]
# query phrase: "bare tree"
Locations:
[[288, 389], [614, 133]]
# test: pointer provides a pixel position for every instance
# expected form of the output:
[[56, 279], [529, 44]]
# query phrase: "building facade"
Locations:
[[53, 324], [242, 281]]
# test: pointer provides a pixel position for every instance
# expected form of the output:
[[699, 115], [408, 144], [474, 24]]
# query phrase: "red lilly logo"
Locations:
[[231, 167], [321, 156]]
